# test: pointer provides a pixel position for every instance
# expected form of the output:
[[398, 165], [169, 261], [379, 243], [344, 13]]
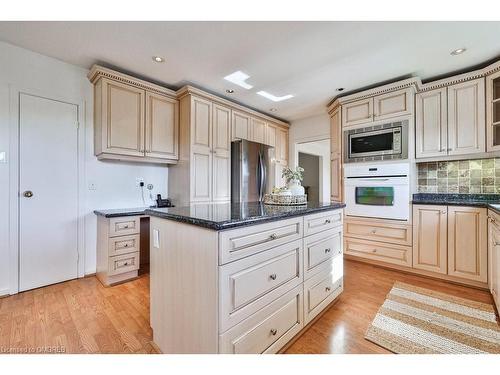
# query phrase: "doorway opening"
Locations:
[[314, 157]]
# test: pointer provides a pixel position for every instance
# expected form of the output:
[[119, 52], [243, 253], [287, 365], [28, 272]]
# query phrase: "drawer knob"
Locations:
[[126, 245], [273, 236], [327, 289], [125, 226], [125, 264], [272, 276], [374, 231], [374, 250], [327, 250], [328, 221], [274, 331]]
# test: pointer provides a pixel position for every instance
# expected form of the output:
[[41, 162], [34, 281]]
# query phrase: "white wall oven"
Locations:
[[378, 142], [378, 191]]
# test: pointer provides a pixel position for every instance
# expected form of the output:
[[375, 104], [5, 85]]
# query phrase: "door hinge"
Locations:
[[77, 124]]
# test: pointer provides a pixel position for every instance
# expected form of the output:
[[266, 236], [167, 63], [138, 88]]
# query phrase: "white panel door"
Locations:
[[48, 183]]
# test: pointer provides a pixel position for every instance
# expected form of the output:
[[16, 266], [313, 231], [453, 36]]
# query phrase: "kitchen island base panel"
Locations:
[[187, 297]]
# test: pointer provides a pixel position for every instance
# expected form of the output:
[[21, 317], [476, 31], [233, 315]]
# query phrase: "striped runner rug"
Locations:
[[415, 320]]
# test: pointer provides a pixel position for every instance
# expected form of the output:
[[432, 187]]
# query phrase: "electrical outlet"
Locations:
[[139, 180], [92, 186]]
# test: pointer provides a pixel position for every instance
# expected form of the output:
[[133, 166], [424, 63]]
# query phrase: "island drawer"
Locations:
[[242, 242], [121, 226], [123, 263], [322, 221], [320, 249], [396, 254], [267, 330], [249, 284], [321, 289], [124, 244], [400, 234]]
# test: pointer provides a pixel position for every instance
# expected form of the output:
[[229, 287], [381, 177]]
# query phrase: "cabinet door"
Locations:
[[271, 135], [431, 124], [257, 130], [335, 179], [429, 238], [201, 150], [162, 127], [221, 172], [123, 119], [493, 112], [495, 268], [466, 118], [467, 243], [335, 133], [336, 156], [241, 125], [282, 145], [392, 104], [358, 112]]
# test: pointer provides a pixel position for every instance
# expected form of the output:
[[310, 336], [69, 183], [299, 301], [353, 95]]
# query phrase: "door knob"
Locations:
[[28, 193]]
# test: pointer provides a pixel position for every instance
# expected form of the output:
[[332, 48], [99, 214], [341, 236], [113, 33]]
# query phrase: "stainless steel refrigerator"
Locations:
[[252, 171]]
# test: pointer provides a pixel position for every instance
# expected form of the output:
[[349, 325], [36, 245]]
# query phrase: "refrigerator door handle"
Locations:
[[261, 177]]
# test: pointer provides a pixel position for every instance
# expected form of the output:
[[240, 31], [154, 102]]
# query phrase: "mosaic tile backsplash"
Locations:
[[481, 176]]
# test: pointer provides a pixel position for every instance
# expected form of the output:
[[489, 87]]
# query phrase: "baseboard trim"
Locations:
[[422, 273], [4, 293]]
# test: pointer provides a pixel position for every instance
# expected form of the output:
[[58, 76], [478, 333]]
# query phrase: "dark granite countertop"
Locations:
[[220, 216], [117, 212], [476, 200]]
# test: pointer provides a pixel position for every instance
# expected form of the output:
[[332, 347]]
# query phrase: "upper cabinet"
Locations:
[[431, 123], [358, 112], [162, 127], [493, 112], [133, 121], [257, 130], [377, 108], [450, 121], [466, 120], [241, 125], [392, 104]]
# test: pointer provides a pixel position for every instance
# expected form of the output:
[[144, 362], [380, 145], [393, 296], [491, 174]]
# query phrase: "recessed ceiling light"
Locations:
[[458, 51], [158, 59], [229, 91], [340, 89], [273, 110], [269, 96], [239, 78]]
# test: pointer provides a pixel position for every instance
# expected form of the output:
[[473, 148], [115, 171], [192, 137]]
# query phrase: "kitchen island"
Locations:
[[241, 278]]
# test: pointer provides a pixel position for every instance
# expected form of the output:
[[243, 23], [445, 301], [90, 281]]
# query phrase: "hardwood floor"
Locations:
[[78, 316], [81, 316], [341, 329]]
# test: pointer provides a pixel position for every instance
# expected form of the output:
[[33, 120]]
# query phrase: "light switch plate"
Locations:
[[156, 238], [3, 157]]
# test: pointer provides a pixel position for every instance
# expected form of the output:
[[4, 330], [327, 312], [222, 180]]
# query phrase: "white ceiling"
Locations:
[[307, 59]]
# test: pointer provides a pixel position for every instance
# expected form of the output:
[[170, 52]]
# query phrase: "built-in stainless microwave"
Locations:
[[378, 142]]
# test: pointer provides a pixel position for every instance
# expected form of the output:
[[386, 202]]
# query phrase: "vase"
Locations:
[[295, 187]]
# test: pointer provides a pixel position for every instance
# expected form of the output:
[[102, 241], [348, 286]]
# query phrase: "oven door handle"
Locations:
[[374, 179]]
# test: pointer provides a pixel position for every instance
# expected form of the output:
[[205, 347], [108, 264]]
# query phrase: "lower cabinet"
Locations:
[[451, 240], [430, 231], [494, 256]]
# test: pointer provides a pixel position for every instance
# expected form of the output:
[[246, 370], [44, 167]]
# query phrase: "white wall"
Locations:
[[115, 181], [311, 135]]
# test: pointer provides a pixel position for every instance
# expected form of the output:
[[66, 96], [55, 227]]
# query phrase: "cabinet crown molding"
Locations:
[[191, 90], [98, 71], [417, 84]]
